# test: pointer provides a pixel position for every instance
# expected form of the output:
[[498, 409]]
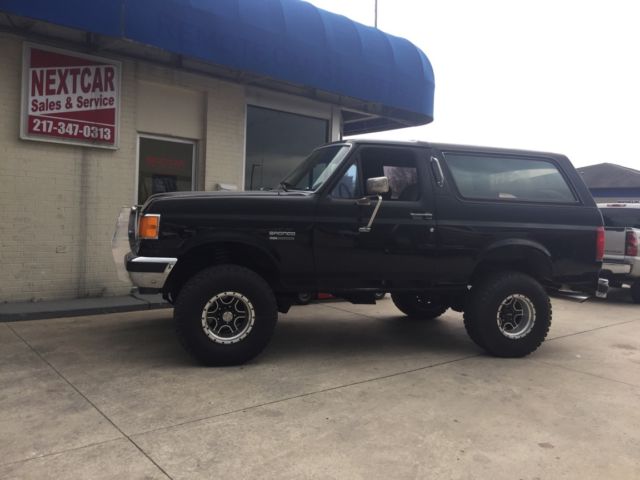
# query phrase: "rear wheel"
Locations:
[[508, 314], [225, 315], [635, 291], [418, 305]]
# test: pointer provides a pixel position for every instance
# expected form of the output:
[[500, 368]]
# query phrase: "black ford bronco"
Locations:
[[488, 232]]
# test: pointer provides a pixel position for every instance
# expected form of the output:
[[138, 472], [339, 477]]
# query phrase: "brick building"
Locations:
[[104, 103]]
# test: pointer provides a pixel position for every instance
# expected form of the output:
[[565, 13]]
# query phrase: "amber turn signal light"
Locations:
[[149, 227]]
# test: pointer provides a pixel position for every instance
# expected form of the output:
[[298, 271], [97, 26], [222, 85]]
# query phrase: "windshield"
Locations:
[[316, 169]]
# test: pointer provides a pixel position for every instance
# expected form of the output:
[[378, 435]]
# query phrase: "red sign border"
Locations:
[[24, 110]]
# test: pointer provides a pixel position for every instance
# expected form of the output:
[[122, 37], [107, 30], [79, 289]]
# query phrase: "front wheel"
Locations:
[[418, 305], [508, 314], [225, 315]]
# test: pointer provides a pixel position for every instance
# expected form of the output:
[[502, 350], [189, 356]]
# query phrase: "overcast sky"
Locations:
[[554, 75]]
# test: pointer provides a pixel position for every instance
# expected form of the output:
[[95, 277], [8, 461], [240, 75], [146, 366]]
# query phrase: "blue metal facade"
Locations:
[[287, 40]]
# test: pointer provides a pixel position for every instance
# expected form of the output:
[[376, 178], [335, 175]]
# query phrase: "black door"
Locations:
[[400, 249]]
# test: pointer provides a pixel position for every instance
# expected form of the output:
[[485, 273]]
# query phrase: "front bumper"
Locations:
[[149, 272], [143, 272]]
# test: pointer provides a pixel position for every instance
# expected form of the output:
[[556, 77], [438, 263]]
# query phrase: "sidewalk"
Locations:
[[13, 312]]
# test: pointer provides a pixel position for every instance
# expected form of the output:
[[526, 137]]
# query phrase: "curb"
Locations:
[[17, 312]]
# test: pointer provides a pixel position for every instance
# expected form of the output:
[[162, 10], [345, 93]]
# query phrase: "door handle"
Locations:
[[422, 216]]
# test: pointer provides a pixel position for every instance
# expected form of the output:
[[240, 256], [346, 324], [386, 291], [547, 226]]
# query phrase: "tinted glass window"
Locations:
[[621, 217], [277, 142], [316, 169], [398, 165], [348, 186], [508, 178]]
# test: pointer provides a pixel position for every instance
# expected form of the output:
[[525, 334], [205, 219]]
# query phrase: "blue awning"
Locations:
[[286, 40]]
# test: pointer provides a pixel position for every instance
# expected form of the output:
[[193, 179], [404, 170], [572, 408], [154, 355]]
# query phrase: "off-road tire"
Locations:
[[485, 303], [418, 306], [203, 287], [635, 291]]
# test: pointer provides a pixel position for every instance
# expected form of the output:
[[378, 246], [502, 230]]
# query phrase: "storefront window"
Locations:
[[166, 165], [277, 142]]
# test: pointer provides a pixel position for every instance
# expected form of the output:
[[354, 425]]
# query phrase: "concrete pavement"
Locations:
[[343, 391]]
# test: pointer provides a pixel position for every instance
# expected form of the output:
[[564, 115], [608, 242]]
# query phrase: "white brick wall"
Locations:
[[58, 203]]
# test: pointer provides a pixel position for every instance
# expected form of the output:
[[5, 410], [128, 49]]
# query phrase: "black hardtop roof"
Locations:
[[450, 147]]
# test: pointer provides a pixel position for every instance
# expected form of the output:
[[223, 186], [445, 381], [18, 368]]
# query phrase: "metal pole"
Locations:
[[375, 22]]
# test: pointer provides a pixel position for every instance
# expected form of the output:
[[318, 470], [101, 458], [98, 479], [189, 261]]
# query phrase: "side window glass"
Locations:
[[508, 178], [403, 182], [348, 186], [398, 165]]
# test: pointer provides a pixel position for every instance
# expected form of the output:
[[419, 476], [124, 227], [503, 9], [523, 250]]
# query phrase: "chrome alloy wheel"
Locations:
[[228, 317], [516, 316]]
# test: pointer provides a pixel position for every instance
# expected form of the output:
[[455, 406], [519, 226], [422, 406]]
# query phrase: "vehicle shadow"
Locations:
[[150, 340], [385, 336]]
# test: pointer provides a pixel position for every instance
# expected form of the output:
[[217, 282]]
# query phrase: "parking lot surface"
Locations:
[[343, 391]]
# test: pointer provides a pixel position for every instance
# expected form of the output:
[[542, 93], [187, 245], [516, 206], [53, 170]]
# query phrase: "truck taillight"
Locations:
[[631, 244], [600, 244]]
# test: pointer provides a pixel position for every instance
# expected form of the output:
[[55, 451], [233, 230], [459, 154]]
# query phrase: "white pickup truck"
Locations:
[[621, 255]]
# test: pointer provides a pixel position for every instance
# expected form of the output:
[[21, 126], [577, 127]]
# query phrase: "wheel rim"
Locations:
[[228, 317], [516, 316]]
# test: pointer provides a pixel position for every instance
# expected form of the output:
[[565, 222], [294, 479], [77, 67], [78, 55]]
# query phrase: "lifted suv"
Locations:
[[479, 230]]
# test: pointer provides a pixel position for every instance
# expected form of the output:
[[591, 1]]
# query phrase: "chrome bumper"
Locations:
[[143, 272], [149, 272], [617, 268]]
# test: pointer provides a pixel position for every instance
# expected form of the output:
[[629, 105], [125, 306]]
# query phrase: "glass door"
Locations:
[[165, 165]]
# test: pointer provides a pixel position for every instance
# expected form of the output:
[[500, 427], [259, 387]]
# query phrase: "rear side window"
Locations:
[[621, 217], [494, 177]]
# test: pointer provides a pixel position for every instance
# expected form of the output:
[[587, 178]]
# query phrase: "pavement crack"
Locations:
[[59, 452], [346, 310], [575, 370], [307, 394], [590, 330], [77, 390]]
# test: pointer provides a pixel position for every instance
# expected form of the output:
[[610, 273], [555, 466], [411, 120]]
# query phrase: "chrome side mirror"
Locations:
[[377, 185]]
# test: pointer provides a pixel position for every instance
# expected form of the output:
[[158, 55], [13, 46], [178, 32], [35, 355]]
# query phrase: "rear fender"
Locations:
[[521, 255]]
